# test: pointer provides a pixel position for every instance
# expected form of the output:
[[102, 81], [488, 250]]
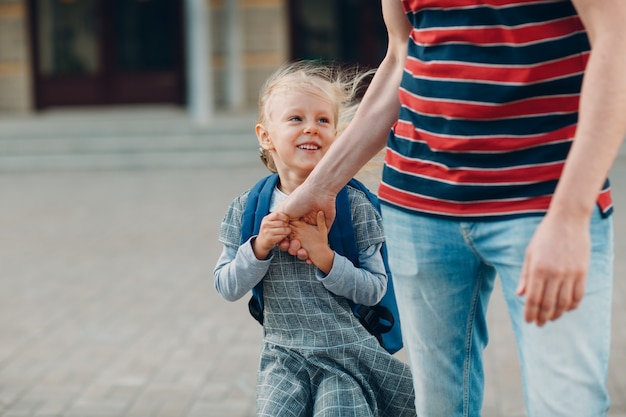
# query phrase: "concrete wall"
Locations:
[[264, 46], [15, 77]]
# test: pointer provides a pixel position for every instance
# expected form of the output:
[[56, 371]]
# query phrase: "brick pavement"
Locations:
[[107, 307]]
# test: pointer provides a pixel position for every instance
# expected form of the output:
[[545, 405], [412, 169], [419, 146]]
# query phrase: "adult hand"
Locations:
[[294, 247], [314, 240], [305, 202], [555, 268]]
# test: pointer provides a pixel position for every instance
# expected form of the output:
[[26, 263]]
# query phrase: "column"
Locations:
[[200, 93], [235, 79]]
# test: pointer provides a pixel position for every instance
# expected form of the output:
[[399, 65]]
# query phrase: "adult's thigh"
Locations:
[[565, 362], [442, 288]]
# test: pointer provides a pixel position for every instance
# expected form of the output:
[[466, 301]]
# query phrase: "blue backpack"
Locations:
[[381, 320]]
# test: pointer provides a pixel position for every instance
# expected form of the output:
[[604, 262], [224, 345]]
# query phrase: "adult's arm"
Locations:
[[557, 258], [366, 134]]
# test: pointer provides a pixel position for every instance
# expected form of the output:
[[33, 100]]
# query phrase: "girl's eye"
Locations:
[[295, 119], [324, 120]]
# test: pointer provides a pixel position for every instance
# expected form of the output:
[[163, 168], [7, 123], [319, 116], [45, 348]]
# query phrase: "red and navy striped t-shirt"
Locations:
[[489, 106]]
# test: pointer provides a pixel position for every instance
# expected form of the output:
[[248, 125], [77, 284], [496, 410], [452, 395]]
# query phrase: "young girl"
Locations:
[[317, 359]]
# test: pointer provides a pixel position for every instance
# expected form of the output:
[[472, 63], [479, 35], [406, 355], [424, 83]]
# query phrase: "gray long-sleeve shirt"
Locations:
[[302, 306]]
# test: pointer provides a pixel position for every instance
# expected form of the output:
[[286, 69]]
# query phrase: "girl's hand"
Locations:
[[314, 240], [274, 229]]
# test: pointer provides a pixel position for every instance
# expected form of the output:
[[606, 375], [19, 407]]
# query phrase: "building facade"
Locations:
[[205, 55]]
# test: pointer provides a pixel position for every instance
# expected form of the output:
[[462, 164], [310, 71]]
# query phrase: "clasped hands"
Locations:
[[303, 238], [294, 243]]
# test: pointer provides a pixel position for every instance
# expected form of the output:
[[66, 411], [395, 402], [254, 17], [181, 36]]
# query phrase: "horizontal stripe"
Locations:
[[499, 35], [486, 144], [488, 160], [435, 13], [499, 54], [497, 74], [522, 174], [473, 209], [457, 109], [519, 126], [443, 190], [436, 4], [605, 200], [463, 90], [480, 209]]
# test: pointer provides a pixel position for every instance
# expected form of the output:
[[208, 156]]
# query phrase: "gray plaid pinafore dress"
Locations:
[[317, 359]]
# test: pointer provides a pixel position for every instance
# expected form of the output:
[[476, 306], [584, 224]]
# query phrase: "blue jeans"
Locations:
[[444, 273]]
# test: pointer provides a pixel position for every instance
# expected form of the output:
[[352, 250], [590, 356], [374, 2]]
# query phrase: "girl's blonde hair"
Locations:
[[342, 86]]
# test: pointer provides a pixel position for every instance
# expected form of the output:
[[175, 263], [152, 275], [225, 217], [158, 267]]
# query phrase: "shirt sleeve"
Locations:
[[238, 270], [365, 285]]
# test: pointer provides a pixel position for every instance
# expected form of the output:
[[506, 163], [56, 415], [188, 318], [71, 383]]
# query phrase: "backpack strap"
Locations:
[[341, 237], [257, 206], [381, 320], [376, 319]]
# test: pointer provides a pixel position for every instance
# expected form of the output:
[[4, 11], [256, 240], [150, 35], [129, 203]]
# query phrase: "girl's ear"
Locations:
[[263, 136]]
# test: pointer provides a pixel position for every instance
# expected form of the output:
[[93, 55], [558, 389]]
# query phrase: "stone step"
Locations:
[[119, 139], [98, 144], [140, 160]]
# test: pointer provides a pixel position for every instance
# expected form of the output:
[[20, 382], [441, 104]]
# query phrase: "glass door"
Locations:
[[69, 55], [344, 31], [146, 52], [107, 51]]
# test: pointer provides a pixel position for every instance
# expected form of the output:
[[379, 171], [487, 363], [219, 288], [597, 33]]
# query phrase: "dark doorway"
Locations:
[[107, 51], [343, 31]]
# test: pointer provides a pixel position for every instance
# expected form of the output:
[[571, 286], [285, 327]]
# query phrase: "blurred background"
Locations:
[[126, 128], [202, 55]]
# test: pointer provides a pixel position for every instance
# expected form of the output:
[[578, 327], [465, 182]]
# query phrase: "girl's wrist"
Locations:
[[258, 250], [323, 259]]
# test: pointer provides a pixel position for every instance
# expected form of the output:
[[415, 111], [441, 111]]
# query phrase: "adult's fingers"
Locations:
[[534, 285], [294, 247]]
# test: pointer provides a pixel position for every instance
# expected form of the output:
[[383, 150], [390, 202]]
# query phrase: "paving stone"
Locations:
[[108, 307]]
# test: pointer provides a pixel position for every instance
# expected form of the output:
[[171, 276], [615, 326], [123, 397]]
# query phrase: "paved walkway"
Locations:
[[107, 307]]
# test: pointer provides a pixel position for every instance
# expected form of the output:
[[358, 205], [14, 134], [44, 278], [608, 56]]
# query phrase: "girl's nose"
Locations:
[[310, 129]]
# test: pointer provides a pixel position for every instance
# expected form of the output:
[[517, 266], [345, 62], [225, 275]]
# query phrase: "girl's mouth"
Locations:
[[308, 147]]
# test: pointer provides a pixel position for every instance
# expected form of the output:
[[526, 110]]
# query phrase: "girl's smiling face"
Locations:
[[301, 127]]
